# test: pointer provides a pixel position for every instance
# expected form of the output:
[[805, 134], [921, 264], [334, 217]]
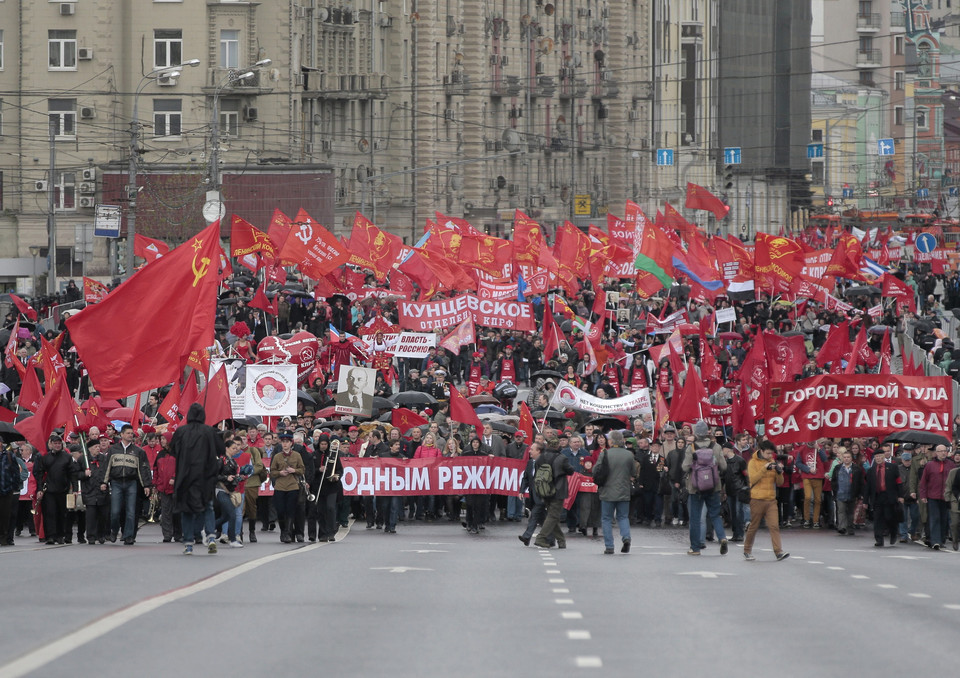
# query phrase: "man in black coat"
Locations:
[[554, 505], [884, 494], [197, 449], [96, 500], [55, 473]]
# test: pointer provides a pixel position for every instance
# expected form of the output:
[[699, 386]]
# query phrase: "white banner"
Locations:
[[236, 381], [726, 315], [568, 395], [271, 390]]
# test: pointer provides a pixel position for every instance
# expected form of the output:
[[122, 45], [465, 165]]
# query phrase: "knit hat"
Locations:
[[701, 430], [906, 456]]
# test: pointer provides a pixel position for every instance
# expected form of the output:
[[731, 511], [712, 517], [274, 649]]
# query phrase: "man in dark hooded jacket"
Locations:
[[197, 449]]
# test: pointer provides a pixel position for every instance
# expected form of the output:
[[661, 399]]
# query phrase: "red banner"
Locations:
[[497, 290], [439, 475], [861, 405], [425, 316]]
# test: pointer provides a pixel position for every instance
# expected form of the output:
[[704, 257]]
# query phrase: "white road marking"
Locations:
[[422, 551], [400, 569], [556, 581], [952, 606], [886, 586], [561, 590], [919, 595], [815, 562], [589, 662], [40, 657], [553, 572], [563, 601], [859, 576], [572, 615], [578, 635], [434, 543], [909, 557], [706, 575], [798, 557], [834, 567]]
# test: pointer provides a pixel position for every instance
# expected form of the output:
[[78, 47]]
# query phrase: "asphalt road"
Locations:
[[432, 600]]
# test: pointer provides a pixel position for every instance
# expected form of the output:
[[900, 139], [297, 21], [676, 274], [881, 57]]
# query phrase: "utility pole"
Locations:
[[51, 206]]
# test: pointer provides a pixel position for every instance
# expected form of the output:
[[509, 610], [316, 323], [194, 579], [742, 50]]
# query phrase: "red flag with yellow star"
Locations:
[[215, 398], [139, 337]]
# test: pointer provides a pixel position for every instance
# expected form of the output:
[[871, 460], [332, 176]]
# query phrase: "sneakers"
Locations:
[[188, 550], [236, 544], [783, 555], [674, 522], [693, 552], [748, 556], [224, 539], [626, 546], [608, 552], [723, 547], [936, 547], [212, 546]]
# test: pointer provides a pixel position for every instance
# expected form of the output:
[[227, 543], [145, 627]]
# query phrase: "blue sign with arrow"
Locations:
[[731, 155], [664, 157]]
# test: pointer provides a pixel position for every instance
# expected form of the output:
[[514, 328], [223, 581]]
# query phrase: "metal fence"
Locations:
[[920, 357]]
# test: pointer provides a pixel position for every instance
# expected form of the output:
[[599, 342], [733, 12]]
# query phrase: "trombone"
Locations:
[[329, 469]]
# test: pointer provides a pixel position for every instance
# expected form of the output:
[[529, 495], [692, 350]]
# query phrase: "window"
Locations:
[[167, 47], [921, 118], [898, 44], [166, 117], [229, 117], [63, 113], [816, 135], [63, 50], [65, 191], [816, 173], [229, 49], [898, 115], [1, 117], [898, 80]]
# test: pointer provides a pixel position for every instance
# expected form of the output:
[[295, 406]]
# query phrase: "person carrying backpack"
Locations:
[[704, 465], [558, 469]]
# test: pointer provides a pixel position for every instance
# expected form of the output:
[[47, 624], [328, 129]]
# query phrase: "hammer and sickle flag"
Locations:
[[139, 337]]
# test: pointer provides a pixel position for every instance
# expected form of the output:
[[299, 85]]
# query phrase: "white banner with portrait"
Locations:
[[355, 386], [271, 390]]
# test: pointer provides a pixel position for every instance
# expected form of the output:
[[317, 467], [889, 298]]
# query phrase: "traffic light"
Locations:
[[727, 177], [829, 201]]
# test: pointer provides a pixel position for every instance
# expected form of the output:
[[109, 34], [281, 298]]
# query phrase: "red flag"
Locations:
[[150, 249], [699, 198], [189, 394], [24, 308], [215, 398], [709, 366], [743, 417], [688, 405], [10, 358], [672, 219], [312, 248], [836, 346], [166, 311], [527, 240], [778, 261], [526, 422], [785, 356], [896, 288], [246, 239], [754, 376], [551, 334], [861, 353], [886, 354], [847, 258], [31, 395], [572, 250], [279, 230], [372, 248], [56, 409], [7, 415], [463, 334], [260, 301], [94, 291], [51, 362], [406, 419], [461, 411], [170, 407], [662, 414], [490, 255]]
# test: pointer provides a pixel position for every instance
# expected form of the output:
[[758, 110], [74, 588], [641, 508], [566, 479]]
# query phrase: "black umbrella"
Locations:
[[792, 334], [8, 433], [229, 301], [503, 427], [303, 395], [606, 423], [923, 325], [880, 329], [956, 313], [333, 298], [382, 403], [917, 437], [545, 374], [23, 415], [566, 325], [249, 421], [413, 398], [549, 416], [861, 291]]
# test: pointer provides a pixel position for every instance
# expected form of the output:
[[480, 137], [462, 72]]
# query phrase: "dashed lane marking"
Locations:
[[563, 601], [886, 586], [919, 595], [572, 615], [561, 590], [589, 662], [578, 635], [556, 581]]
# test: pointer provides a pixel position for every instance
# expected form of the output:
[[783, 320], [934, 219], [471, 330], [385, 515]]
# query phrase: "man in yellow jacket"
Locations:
[[765, 474]]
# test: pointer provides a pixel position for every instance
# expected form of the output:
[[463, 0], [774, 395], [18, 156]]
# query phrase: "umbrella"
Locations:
[[605, 423], [552, 415], [23, 415], [924, 325], [413, 398], [490, 409], [8, 433], [688, 328], [324, 413], [250, 421], [303, 395], [333, 298], [125, 413], [792, 334], [483, 399], [382, 403], [229, 301], [566, 325], [861, 291], [880, 329], [918, 437], [502, 427], [119, 423], [546, 374], [731, 336]]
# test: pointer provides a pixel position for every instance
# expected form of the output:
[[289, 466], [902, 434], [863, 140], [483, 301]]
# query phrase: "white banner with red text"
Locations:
[[426, 316], [568, 395], [440, 475], [857, 405]]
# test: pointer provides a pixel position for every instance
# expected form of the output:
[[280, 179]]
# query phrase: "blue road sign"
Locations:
[[884, 146], [954, 191], [925, 243], [731, 155], [664, 156], [848, 193], [923, 192], [814, 150]]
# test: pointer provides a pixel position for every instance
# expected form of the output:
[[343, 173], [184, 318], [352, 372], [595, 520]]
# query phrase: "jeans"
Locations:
[[939, 512], [123, 496], [191, 523], [652, 506], [911, 522], [696, 502], [737, 511], [607, 509], [514, 508], [227, 513], [538, 514]]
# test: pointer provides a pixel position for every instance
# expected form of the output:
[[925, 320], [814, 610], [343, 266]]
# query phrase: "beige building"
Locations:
[[401, 109]]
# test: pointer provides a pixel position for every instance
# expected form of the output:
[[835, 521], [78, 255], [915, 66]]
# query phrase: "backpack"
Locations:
[[602, 470], [704, 475], [543, 481]]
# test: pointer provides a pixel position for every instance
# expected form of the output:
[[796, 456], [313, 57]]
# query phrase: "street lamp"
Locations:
[[215, 202], [35, 251], [155, 74]]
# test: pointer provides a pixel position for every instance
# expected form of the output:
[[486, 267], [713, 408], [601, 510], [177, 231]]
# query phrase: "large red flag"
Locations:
[[674, 220], [312, 247], [526, 422], [527, 240], [406, 419], [699, 198], [139, 336], [896, 288], [170, 407], [490, 255], [847, 258], [24, 308], [150, 249], [785, 356], [778, 261], [861, 352], [279, 230], [31, 395], [372, 248], [215, 398], [462, 411], [94, 291], [688, 405], [245, 239], [56, 409], [837, 345]]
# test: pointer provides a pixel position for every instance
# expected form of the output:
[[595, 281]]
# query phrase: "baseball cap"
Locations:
[[352, 428]]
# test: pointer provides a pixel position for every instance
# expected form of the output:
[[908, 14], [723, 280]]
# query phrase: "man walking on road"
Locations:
[[128, 469], [764, 474], [622, 468], [553, 505], [197, 448]]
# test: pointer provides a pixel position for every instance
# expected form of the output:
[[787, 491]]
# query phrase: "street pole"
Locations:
[[51, 206]]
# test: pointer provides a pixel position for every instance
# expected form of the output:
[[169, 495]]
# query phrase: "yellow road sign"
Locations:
[[581, 205]]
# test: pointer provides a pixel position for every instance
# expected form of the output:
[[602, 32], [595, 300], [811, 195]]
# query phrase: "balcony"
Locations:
[[457, 83], [346, 86], [868, 23], [869, 57]]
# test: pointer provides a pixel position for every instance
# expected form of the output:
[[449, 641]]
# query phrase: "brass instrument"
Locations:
[[329, 468]]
